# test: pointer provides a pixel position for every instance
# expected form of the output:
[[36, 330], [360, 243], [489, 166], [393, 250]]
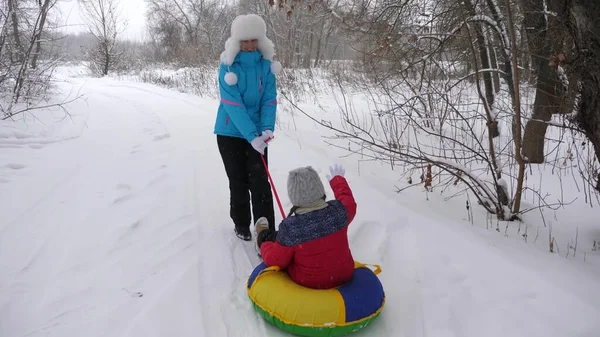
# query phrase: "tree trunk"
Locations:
[[516, 207], [485, 64], [525, 55], [319, 42], [38, 48], [492, 124], [106, 66], [544, 106], [548, 88], [494, 64], [588, 117], [308, 52], [581, 18], [18, 53]]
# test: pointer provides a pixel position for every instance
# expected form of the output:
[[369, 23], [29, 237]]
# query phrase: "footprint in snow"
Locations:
[[10, 146], [135, 149], [134, 294], [122, 199], [161, 137], [157, 180], [15, 166], [124, 187], [135, 224], [4, 181]]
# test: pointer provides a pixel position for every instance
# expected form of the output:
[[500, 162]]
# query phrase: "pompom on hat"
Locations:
[[248, 27]]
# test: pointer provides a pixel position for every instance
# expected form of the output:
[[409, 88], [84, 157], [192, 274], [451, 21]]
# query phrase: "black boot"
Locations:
[[243, 233]]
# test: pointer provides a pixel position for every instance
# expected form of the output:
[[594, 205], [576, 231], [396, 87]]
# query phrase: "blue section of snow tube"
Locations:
[[363, 295], [262, 266]]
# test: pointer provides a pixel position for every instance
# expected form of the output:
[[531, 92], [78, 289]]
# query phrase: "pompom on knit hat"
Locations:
[[304, 186], [248, 27]]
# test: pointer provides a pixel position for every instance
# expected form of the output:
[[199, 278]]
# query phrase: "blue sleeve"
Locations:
[[234, 106], [268, 104]]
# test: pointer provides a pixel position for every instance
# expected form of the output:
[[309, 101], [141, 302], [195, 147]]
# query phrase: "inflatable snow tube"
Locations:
[[313, 312]]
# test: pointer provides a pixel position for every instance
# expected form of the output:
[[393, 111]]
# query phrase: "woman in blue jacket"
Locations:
[[246, 119]]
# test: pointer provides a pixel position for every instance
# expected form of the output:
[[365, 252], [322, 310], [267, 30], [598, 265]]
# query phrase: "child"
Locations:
[[312, 242]]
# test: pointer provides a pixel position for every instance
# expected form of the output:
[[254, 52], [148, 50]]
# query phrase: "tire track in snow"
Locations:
[[154, 91], [31, 261], [370, 236], [392, 245], [55, 188], [406, 303], [42, 236], [158, 296], [191, 285], [180, 307], [227, 261], [243, 262], [203, 315]]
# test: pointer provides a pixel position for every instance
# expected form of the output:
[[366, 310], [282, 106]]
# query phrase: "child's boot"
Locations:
[[261, 225]]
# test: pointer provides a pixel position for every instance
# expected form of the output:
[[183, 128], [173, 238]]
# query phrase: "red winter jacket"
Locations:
[[313, 247]]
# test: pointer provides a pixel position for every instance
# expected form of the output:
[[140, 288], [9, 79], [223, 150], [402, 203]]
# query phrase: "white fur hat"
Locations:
[[248, 27]]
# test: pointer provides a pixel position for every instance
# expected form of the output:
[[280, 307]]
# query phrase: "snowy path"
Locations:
[[124, 231]]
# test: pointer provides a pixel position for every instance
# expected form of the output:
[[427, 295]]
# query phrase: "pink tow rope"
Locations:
[[272, 185]]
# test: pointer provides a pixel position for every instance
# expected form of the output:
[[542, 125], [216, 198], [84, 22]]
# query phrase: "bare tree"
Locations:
[[103, 20], [191, 32], [25, 76], [411, 53], [303, 31], [435, 71]]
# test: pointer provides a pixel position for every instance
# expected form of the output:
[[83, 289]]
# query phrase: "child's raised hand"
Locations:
[[336, 170]]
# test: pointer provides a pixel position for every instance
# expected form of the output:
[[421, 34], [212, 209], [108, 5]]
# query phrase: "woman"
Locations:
[[246, 119]]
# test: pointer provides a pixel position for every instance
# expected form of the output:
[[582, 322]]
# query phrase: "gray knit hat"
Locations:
[[304, 186]]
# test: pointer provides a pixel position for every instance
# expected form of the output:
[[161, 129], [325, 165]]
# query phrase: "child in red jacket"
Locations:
[[312, 242]]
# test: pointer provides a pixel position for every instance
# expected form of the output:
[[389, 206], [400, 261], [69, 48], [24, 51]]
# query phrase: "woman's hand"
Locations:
[[259, 144], [267, 135]]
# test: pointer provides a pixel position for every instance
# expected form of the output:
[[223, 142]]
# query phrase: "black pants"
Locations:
[[246, 174]]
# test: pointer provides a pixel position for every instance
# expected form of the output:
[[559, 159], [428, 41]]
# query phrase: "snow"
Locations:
[[114, 222]]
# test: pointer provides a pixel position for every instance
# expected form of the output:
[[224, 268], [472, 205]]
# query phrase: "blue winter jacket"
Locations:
[[248, 107]]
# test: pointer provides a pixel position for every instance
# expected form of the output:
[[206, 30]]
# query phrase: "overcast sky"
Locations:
[[133, 11]]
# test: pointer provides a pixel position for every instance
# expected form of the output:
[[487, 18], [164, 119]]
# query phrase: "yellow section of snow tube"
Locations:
[[315, 312]]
